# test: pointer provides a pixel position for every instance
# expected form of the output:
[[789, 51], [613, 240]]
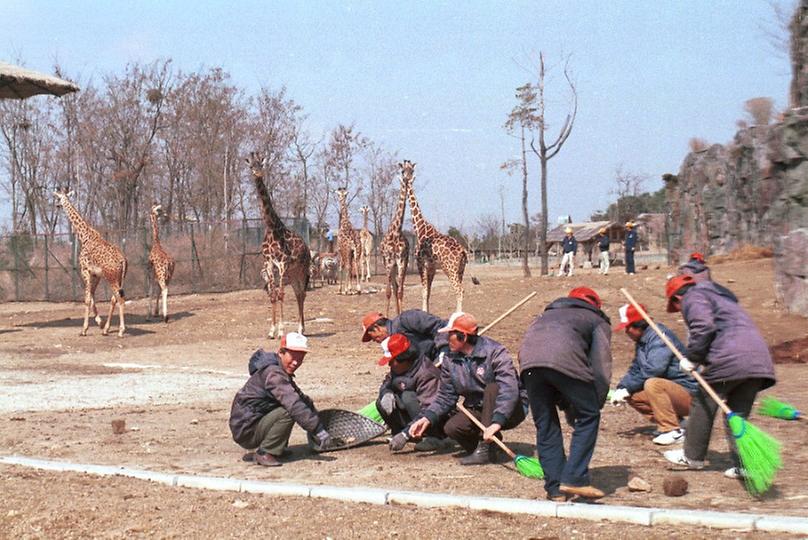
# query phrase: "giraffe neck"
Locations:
[[80, 226], [271, 219], [398, 217], [365, 215], [155, 230], [423, 228], [344, 221]]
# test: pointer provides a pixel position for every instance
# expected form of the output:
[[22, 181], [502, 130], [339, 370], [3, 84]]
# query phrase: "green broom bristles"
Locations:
[[528, 466], [759, 453], [778, 409], [370, 411]]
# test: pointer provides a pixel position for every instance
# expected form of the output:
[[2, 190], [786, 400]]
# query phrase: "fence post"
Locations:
[[47, 256]]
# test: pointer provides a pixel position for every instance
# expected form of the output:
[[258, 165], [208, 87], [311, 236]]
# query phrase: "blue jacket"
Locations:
[[468, 376], [603, 242], [570, 244], [631, 239], [421, 328], [652, 358], [723, 337]]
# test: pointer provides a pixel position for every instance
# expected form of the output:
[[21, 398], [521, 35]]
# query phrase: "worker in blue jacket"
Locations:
[[569, 248], [631, 242]]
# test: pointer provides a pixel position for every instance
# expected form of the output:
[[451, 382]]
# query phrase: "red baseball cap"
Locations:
[[369, 320], [587, 295], [392, 347], [674, 285], [696, 256], [461, 322], [628, 316]]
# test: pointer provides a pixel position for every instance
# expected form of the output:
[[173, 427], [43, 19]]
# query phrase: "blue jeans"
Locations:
[[546, 389], [629, 261]]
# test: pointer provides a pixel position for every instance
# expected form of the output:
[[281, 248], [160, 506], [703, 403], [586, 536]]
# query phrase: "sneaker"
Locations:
[[735, 473], [677, 457], [671, 437], [587, 492]]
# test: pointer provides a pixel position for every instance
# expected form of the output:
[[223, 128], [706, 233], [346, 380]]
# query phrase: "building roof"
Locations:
[[582, 231]]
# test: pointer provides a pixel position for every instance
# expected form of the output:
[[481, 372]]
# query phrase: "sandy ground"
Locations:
[[173, 385]]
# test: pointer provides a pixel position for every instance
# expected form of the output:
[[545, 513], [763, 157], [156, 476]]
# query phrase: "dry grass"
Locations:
[[744, 253]]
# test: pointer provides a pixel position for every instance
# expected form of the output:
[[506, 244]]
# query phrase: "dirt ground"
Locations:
[[173, 385]]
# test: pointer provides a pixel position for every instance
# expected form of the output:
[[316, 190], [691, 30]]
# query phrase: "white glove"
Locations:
[[686, 365], [399, 440], [619, 396], [388, 401]]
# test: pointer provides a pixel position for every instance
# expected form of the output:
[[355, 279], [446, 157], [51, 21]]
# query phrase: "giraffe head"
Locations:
[[342, 193], [256, 161], [365, 209], [157, 210], [62, 196], [407, 169]]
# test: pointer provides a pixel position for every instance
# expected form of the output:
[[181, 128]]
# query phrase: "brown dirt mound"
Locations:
[[791, 352], [744, 253]]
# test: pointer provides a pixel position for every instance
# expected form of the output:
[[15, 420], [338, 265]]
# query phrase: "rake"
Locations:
[[527, 466], [759, 452], [775, 408]]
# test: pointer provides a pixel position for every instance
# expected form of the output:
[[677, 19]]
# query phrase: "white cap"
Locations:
[[293, 341]]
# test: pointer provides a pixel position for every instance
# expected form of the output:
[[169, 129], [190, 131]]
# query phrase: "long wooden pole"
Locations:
[[479, 424]]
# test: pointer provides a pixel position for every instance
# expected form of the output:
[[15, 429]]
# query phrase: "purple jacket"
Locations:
[[423, 378], [723, 337], [574, 338], [468, 376], [268, 388]]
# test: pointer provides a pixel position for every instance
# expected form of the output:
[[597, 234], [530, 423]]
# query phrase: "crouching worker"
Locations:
[[270, 403], [481, 371], [420, 327], [654, 384], [697, 267], [409, 387]]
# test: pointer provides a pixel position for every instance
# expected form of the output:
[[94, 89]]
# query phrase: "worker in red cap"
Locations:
[[410, 385], [731, 354], [566, 361], [420, 327], [481, 371], [270, 403], [654, 384], [696, 266]]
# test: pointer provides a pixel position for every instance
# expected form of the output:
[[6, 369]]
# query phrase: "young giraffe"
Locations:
[[161, 264], [97, 258], [396, 250], [286, 255], [348, 246], [434, 248], [366, 243]]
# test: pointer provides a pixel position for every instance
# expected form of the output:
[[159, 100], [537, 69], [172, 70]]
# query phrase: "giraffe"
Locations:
[[366, 243], [434, 248], [286, 255], [161, 264], [396, 250], [348, 246], [97, 258]]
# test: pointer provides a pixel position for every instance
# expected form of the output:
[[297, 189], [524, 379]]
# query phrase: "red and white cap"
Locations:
[[294, 341], [392, 347], [628, 316], [461, 322]]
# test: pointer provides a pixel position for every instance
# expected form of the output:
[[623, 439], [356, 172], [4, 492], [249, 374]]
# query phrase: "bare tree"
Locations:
[[382, 192], [629, 185]]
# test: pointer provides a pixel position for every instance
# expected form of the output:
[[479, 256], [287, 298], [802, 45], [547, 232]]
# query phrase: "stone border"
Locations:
[[623, 514]]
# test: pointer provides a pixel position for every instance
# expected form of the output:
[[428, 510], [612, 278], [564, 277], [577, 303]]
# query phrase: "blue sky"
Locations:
[[435, 80]]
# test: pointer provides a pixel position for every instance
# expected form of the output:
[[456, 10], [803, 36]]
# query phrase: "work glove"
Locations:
[[686, 365], [399, 440], [388, 402], [619, 396], [323, 439]]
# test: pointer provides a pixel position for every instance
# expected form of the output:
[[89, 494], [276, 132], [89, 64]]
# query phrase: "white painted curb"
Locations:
[[619, 514]]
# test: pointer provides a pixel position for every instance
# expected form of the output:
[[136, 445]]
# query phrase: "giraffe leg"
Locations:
[[391, 286], [88, 299], [281, 294], [121, 323], [93, 285], [457, 282], [299, 287], [164, 288], [272, 292], [112, 301], [150, 310], [357, 266], [429, 278], [402, 274]]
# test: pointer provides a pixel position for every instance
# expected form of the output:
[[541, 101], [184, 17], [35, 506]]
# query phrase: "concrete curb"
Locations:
[[619, 514]]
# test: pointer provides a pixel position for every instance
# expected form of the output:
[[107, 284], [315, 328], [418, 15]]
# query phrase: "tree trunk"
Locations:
[[526, 237], [545, 263]]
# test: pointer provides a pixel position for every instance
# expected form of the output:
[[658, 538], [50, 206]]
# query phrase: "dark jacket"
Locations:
[[421, 328], [423, 378], [268, 388], [723, 336], [572, 337], [468, 376], [569, 244], [631, 239], [652, 358], [603, 242], [697, 269]]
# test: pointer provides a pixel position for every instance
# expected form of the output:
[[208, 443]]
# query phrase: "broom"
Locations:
[[779, 409], [759, 452], [527, 466], [370, 410]]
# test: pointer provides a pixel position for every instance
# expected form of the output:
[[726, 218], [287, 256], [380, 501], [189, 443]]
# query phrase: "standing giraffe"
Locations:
[[161, 264], [396, 250], [348, 246], [434, 248], [286, 255], [97, 258], [366, 243]]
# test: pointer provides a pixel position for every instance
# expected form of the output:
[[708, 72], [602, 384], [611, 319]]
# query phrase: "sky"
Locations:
[[434, 81]]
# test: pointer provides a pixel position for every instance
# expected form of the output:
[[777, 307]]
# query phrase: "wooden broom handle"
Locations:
[[514, 308], [479, 424], [696, 375]]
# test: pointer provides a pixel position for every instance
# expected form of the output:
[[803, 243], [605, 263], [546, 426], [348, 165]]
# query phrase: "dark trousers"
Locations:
[[629, 261], [738, 395], [546, 389], [407, 407], [466, 433]]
